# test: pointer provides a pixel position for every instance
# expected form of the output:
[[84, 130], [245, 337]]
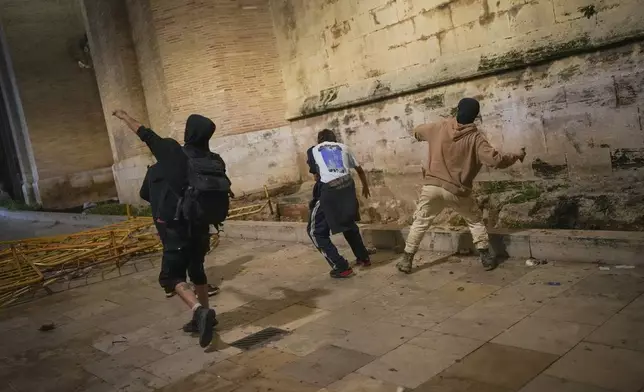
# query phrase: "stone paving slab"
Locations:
[[602, 366], [449, 326], [326, 365]]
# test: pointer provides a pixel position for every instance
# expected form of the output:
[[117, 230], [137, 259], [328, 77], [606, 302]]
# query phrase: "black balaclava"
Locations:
[[468, 110], [199, 130]]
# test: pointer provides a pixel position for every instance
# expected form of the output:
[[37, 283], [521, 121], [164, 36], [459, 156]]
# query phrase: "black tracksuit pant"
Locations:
[[320, 233]]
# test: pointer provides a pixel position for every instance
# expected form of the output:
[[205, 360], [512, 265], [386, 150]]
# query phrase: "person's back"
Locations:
[[457, 151], [333, 159], [184, 244]]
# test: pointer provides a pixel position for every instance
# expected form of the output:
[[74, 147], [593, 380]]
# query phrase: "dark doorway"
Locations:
[[9, 167]]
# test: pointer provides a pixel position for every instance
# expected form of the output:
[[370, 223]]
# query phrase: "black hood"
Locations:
[[199, 130], [468, 110]]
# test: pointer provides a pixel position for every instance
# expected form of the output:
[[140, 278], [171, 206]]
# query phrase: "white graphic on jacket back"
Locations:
[[333, 158]]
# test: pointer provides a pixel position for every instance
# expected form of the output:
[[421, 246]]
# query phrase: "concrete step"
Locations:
[[609, 247]]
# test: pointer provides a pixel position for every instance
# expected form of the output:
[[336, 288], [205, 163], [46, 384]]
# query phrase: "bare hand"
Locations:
[[120, 114], [365, 192]]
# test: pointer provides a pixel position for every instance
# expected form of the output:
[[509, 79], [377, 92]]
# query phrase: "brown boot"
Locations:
[[405, 263], [488, 259]]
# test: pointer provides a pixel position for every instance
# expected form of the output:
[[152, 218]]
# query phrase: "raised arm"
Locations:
[[156, 143], [131, 123], [493, 158]]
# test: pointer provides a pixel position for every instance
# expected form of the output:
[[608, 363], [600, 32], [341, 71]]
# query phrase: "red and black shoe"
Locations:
[[363, 263], [341, 274]]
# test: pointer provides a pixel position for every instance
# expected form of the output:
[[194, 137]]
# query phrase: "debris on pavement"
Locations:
[[47, 327], [624, 267], [554, 283], [531, 262], [604, 268]]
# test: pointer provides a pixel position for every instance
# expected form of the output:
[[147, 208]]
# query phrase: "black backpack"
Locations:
[[206, 197]]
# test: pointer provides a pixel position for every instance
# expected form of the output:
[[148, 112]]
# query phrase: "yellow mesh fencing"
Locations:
[[31, 264]]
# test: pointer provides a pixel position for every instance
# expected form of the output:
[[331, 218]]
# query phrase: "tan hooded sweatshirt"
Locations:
[[457, 153]]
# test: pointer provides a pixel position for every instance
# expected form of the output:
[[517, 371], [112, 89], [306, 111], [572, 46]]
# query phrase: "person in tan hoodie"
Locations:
[[457, 152]]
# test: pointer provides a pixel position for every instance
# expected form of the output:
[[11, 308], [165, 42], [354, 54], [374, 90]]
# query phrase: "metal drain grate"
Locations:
[[259, 338]]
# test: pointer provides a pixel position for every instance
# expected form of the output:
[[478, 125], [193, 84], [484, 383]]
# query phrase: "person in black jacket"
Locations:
[[147, 194], [184, 245]]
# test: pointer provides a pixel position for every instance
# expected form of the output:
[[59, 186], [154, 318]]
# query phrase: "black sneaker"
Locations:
[[170, 293], [206, 320], [487, 259], [192, 327], [341, 274]]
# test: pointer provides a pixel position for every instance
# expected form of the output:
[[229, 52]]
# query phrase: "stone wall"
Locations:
[[164, 60], [561, 78], [150, 66], [60, 100], [120, 85], [338, 53], [579, 119], [220, 59]]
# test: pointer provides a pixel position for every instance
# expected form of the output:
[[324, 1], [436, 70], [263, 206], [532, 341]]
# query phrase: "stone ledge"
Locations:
[[473, 64], [610, 247]]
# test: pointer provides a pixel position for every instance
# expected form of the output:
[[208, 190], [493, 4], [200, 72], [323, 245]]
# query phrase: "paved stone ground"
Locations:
[[450, 326], [11, 229]]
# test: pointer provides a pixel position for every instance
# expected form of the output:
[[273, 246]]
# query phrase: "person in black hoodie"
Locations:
[[184, 245]]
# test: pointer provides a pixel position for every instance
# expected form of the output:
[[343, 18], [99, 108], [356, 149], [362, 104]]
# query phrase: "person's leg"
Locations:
[[356, 243], [430, 204], [204, 318], [320, 234], [173, 263], [169, 292], [199, 247], [161, 231], [177, 255], [467, 208]]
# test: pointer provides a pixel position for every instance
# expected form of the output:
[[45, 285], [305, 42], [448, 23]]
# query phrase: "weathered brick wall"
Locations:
[[150, 66], [336, 53], [220, 59], [60, 100]]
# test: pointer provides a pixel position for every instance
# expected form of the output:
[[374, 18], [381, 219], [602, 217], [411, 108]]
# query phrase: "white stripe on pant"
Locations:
[[314, 213], [432, 201]]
